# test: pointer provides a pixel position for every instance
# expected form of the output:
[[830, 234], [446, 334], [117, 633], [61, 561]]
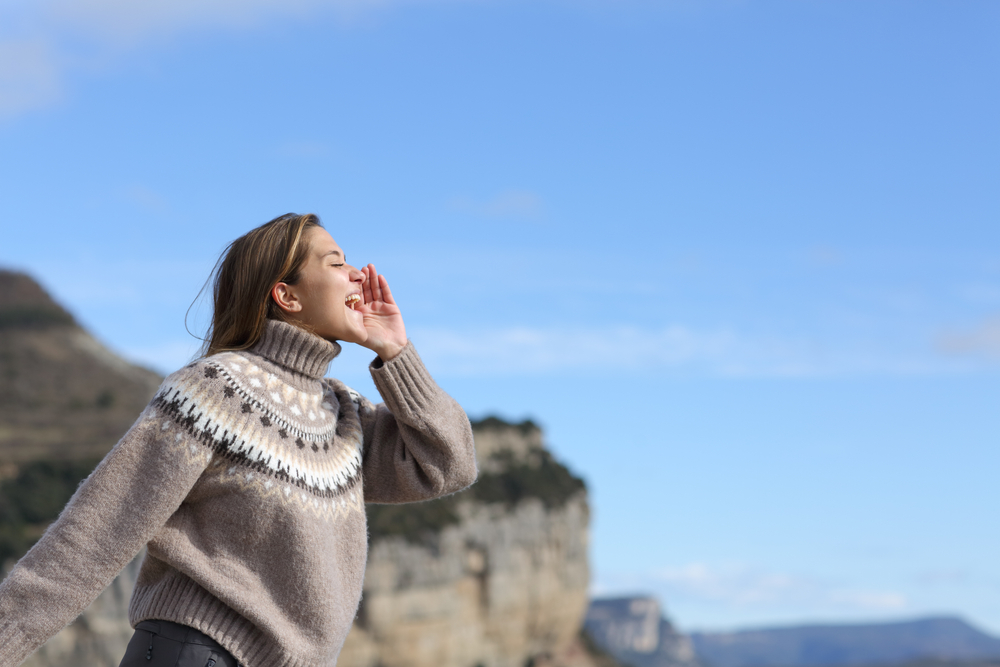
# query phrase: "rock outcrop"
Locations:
[[502, 584], [635, 631]]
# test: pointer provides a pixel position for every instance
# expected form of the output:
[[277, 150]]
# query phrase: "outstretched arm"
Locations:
[[116, 510]]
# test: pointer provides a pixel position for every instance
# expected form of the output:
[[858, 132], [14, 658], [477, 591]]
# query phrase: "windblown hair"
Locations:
[[245, 275]]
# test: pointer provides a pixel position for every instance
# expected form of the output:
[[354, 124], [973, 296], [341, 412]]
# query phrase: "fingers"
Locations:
[[374, 282], [366, 287], [386, 293]]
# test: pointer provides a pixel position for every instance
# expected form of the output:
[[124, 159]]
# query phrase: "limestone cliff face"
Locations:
[[502, 583], [635, 631]]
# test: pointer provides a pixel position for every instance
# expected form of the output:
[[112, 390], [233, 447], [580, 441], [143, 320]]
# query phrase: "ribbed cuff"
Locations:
[[404, 383], [15, 646]]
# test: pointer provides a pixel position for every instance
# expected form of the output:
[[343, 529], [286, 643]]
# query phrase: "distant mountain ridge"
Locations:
[[943, 639]]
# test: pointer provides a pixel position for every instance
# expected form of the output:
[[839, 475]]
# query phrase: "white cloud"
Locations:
[[147, 198], [720, 352], [751, 592], [164, 358], [41, 41], [980, 341], [521, 204], [29, 76], [534, 350]]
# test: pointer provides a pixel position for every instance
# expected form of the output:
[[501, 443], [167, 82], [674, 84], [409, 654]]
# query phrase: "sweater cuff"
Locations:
[[404, 383], [15, 646]]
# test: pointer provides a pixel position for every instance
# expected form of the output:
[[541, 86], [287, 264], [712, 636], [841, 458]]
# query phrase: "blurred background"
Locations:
[[739, 261]]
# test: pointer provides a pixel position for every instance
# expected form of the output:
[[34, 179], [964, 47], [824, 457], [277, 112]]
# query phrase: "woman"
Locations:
[[248, 472]]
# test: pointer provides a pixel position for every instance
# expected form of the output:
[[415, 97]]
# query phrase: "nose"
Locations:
[[357, 276]]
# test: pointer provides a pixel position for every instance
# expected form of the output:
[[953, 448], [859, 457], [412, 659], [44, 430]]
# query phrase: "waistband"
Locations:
[[179, 633]]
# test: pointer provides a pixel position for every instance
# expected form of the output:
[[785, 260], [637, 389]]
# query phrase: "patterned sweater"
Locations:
[[247, 476]]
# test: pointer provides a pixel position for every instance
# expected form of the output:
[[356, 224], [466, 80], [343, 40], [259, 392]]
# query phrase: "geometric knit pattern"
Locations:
[[265, 433]]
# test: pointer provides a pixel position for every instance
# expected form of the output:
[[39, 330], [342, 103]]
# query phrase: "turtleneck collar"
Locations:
[[296, 349]]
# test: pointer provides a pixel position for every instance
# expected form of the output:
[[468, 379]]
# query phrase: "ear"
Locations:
[[284, 295]]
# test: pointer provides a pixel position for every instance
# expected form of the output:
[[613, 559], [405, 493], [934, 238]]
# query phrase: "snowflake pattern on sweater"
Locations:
[[267, 435]]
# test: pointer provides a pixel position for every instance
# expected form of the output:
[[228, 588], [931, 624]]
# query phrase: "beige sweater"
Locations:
[[247, 475]]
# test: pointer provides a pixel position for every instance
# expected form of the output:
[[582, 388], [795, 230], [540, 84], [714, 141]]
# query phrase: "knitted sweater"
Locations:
[[247, 476]]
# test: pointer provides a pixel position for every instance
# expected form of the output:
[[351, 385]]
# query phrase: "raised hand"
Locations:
[[382, 317]]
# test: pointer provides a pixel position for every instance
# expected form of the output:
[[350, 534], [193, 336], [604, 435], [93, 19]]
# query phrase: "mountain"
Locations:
[[65, 400], [941, 639], [635, 631], [63, 395]]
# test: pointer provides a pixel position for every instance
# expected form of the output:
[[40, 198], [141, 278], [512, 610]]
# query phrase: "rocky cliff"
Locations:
[[635, 631], [495, 576]]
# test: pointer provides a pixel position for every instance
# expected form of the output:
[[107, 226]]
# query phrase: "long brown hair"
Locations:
[[244, 276]]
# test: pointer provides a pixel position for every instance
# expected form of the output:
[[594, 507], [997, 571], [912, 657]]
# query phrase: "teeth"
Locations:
[[353, 300]]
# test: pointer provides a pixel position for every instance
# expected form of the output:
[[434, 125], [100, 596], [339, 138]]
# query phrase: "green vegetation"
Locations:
[[416, 522], [33, 499], [496, 423], [33, 316], [105, 399], [540, 477], [544, 478]]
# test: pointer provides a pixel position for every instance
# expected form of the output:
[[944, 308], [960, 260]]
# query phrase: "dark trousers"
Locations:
[[167, 644]]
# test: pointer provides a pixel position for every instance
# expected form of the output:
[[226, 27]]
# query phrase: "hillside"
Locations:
[[65, 399], [927, 640], [63, 395]]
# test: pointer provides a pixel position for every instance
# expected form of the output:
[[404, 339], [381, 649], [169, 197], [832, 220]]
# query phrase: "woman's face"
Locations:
[[328, 291]]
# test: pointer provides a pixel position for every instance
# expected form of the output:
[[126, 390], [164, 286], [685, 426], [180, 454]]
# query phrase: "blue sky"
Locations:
[[741, 259]]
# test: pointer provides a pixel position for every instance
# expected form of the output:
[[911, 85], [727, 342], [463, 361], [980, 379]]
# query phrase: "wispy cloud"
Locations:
[[29, 76], [520, 204], [147, 198], [753, 591], [720, 352], [41, 42], [982, 341], [165, 357]]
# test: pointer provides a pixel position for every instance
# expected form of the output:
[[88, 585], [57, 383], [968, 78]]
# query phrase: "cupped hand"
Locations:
[[382, 317]]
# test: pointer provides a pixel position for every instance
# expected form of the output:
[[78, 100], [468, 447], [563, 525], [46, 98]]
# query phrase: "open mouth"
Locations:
[[353, 300]]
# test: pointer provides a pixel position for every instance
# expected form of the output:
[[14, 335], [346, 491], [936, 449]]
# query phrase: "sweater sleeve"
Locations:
[[114, 512], [418, 443]]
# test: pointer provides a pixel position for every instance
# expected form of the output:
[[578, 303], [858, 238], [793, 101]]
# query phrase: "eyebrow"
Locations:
[[334, 252]]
